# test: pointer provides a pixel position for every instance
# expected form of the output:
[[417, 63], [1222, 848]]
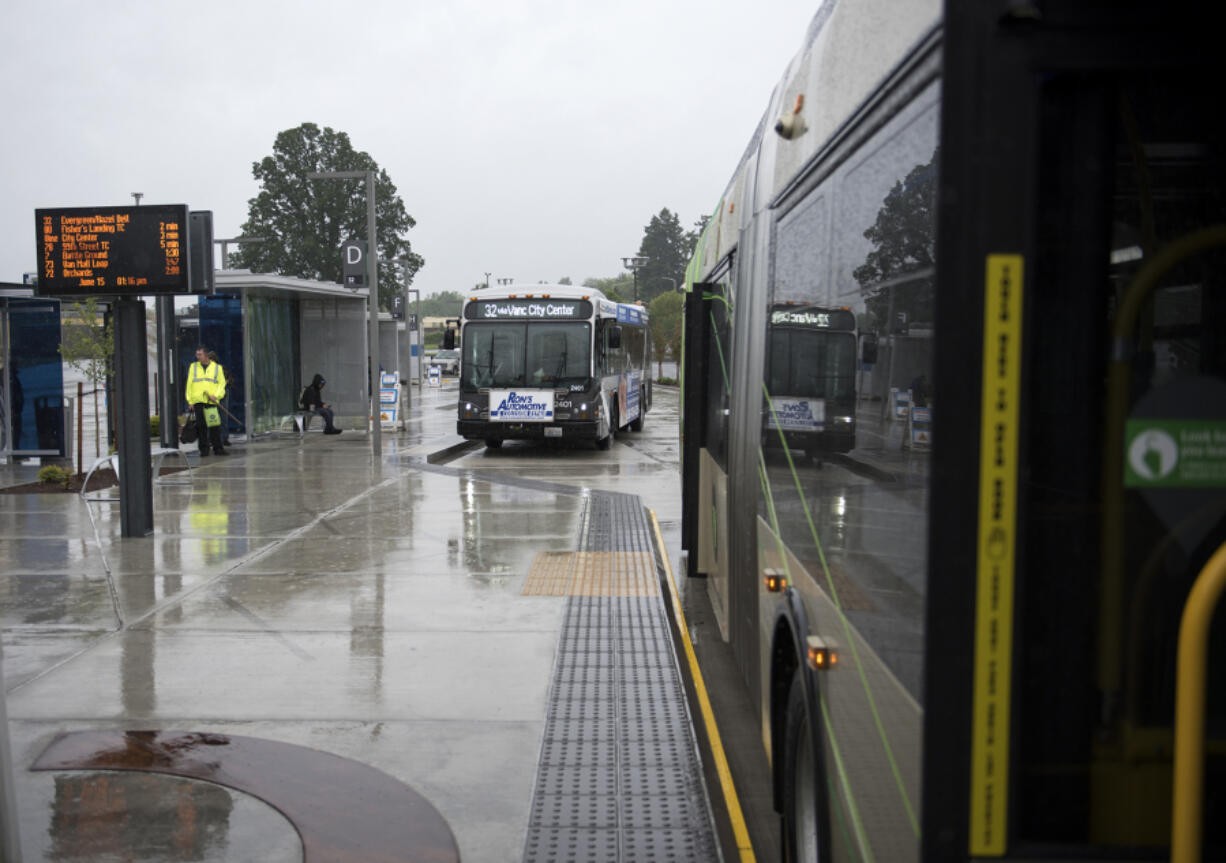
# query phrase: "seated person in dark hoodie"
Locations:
[[312, 401]]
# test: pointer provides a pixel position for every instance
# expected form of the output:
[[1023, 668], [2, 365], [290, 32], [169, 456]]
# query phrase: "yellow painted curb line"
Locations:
[[739, 831]]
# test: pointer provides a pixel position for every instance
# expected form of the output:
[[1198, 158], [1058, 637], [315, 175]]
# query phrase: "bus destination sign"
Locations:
[[528, 310], [105, 251]]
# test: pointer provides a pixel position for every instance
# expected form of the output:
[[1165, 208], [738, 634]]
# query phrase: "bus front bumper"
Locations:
[[482, 430]]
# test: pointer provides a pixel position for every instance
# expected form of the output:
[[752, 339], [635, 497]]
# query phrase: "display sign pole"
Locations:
[[168, 405], [132, 389]]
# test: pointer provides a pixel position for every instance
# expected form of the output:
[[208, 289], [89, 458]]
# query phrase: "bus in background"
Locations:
[[810, 380], [552, 362]]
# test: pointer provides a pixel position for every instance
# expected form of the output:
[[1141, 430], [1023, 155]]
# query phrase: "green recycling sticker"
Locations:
[[1175, 453]]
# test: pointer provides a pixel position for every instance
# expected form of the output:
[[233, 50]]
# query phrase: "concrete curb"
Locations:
[[446, 454]]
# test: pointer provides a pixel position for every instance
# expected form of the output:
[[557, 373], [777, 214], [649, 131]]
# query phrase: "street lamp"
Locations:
[[634, 264], [372, 300], [506, 281], [225, 245], [405, 263]]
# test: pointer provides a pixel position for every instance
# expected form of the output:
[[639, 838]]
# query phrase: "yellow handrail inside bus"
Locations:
[[1143, 284], [1190, 673]]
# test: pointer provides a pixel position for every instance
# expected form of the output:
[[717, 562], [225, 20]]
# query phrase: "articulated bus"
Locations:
[[552, 362], [1000, 645]]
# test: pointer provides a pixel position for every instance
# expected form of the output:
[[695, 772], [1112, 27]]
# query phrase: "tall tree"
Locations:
[[667, 247], [694, 234], [304, 222]]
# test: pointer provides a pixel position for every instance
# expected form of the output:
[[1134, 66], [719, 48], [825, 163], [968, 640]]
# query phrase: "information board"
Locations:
[[112, 251]]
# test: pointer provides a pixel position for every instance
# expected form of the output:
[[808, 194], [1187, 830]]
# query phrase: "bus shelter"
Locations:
[[272, 335]]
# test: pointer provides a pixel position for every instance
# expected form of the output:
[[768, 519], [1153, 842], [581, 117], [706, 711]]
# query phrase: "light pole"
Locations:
[[634, 264], [372, 300], [136, 196], [408, 333], [487, 280]]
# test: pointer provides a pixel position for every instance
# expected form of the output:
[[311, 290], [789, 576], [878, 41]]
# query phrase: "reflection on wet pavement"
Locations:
[[382, 819]]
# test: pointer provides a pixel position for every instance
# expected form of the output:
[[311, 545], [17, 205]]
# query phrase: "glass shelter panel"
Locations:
[[272, 327], [32, 390], [221, 330]]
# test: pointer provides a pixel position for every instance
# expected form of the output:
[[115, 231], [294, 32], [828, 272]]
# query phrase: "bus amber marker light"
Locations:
[[775, 580], [822, 654]]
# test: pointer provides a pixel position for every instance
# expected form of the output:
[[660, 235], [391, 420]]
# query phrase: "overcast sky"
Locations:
[[531, 139]]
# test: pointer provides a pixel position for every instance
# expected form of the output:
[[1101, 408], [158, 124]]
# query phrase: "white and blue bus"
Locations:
[[552, 362]]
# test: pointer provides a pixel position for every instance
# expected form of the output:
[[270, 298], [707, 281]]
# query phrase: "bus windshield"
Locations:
[[812, 363], [544, 354]]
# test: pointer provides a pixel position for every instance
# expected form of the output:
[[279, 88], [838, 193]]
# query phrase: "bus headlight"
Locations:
[[845, 420]]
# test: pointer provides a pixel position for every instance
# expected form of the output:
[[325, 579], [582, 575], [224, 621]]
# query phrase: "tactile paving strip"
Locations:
[[619, 777]]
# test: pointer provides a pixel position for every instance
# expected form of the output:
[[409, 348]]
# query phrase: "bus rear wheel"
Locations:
[[493, 442], [636, 424], [799, 792]]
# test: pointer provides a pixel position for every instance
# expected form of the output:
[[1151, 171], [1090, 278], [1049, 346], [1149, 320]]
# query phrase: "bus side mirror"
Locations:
[[615, 338], [449, 339], [868, 349]]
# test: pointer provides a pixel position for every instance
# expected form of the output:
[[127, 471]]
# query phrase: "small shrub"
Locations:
[[155, 426], [54, 474], [668, 382]]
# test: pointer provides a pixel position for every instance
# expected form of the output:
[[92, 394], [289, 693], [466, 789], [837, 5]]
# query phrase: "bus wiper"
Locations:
[[557, 376]]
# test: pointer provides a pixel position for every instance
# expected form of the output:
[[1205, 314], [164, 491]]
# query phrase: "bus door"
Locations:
[[707, 388], [1100, 442]]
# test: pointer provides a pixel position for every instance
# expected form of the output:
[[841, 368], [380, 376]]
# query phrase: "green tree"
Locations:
[[664, 313], [304, 222], [444, 304], [667, 247], [899, 269]]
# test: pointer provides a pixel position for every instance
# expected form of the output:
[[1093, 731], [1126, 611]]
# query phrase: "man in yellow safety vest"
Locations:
[[206, 386]]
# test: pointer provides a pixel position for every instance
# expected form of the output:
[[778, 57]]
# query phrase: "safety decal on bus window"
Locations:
[[998, 468], [1175, 453]]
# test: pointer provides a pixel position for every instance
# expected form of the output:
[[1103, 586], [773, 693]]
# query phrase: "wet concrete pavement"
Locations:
[[302, 592]]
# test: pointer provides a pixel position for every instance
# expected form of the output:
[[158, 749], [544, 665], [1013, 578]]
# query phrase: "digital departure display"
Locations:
[[528, 310], [99, 251]]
